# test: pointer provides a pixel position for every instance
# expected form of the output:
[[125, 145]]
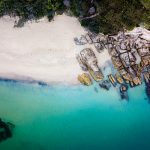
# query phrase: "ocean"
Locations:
[[65, 117]]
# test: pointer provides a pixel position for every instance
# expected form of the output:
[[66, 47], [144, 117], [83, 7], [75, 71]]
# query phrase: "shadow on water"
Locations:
[[5, 130], [41, 83]]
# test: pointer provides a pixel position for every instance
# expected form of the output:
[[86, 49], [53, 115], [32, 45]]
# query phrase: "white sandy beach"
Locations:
[[43, 51]]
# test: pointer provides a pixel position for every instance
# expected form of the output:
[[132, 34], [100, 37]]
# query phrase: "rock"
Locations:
[[99, 47], [66, 3], [88, 57], [82, 65], [123, 91], [105, 85], [20, 23], [5, 130], [85, 79], [92, 10], [95, 89], [123, 88], [80, 41]]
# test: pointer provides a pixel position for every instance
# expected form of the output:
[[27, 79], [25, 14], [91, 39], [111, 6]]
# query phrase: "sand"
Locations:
[[43, 51]]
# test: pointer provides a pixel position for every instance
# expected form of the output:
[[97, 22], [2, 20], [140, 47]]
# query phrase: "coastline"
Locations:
[[43, 51], [74, 75]]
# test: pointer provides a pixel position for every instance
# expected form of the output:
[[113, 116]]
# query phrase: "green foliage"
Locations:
[[1, 7], [75, 7], [113, 15], [53, 5], [31, 8], [146, 3]]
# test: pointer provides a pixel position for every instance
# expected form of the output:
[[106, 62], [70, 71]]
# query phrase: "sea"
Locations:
[[64, 117]]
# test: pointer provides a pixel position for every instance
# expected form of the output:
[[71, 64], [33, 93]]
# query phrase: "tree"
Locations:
[[111, 16]]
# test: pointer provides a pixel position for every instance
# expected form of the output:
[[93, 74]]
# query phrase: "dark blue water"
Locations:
[[74, 118]]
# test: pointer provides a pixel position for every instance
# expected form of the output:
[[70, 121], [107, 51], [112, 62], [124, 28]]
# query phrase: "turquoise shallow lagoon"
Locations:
[[74, 118]]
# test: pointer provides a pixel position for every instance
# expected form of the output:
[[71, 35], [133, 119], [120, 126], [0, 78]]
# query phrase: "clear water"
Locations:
[[74, 118]]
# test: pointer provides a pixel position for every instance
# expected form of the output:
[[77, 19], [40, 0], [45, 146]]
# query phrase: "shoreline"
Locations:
[[36, 82], [42, 51], [45, 52]]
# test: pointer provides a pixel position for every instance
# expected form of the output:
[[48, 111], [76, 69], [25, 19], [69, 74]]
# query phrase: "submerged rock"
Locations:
[[148, 90], [105, 85], [5, 130], [123, 91], [96, 89]]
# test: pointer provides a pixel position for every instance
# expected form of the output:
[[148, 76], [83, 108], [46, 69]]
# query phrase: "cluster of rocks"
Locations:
[[131, 55], [88, 62], [129, 51]]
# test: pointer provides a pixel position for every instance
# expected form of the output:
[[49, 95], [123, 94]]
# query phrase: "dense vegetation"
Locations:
[[107, 16], [114, 15], [30, 9]]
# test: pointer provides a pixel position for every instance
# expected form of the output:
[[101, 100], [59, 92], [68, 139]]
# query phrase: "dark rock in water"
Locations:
[[124, 96], [145, 98], [42, 83], [148, 90], [5, 130], [123, 88], [95, 89], [123, 91], [105, 85], [8, 80]]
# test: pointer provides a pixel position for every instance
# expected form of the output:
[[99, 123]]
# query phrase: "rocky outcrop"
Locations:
[[87, 59], [85, 79]]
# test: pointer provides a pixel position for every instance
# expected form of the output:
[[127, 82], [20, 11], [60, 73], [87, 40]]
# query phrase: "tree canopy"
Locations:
[[108, 16], [31, 8]]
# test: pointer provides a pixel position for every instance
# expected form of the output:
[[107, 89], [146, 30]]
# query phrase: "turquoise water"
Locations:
[[74, 118]]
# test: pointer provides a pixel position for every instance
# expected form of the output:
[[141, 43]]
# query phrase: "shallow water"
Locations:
[[74, 118]]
